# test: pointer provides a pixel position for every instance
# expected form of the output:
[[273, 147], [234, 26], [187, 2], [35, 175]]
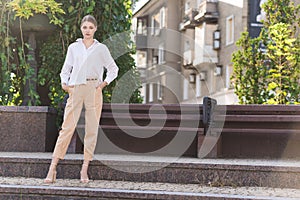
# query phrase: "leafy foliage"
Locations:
[[249, 73], [7, 90], [26, 9], [267, 68], [113, 16], [15, 64]]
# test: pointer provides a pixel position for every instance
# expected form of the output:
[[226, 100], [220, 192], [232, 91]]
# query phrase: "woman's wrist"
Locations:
[[103, 84], [64, 87]]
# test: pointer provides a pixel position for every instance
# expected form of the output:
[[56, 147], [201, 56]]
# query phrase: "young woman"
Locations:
[[81, 76]]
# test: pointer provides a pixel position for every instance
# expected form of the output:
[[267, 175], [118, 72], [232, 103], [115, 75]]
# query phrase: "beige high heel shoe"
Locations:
[[83, 173], [51, 176]]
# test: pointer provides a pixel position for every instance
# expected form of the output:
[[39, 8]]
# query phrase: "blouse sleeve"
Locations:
[[67, 67], [111, 66]]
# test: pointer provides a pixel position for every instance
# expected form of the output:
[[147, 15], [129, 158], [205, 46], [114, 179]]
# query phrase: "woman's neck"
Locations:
[[88, 42]]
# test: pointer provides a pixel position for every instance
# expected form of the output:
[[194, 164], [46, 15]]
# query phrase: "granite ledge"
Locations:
[[28, 109]]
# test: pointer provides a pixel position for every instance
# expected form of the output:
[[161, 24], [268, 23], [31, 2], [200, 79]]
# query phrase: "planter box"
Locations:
[[27, 128]]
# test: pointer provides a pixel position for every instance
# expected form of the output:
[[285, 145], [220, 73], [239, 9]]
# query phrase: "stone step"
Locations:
[[34, 188], [147, 168]]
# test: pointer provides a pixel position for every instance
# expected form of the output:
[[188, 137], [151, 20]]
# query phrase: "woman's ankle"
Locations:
[[84, 172], [53, 163], [85, 163]]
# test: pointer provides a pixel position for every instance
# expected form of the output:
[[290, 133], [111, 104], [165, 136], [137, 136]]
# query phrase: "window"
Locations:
[[162, 17], [198, 86], [159, 91], [150, 92], [187, 7], [141, 59], [216, 39], [143, 92], [187, 45], [155, 24], [161, 54], [142, 26], [152, 25], [229, 30], [185, 89], [154, 56], [187, 54]]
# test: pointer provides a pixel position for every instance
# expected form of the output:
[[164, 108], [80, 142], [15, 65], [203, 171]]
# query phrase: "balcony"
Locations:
[[189, 19], [207, 12], [205, 55]]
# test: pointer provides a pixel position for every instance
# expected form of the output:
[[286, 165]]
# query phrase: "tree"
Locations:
[[267, 68]]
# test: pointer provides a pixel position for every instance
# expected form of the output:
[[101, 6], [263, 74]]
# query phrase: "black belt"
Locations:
[[91, 79]]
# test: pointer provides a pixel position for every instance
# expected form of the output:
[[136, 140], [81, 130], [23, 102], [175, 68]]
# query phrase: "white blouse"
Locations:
[[82, 63]]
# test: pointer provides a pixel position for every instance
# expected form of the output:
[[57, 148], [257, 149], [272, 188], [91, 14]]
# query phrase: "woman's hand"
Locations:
[[65, 87], [102, 85]]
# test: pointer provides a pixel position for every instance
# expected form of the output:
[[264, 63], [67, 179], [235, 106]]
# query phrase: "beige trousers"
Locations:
[[91, 98]]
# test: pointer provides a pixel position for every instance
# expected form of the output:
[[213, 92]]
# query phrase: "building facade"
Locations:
[[184, 47], [158, 55]]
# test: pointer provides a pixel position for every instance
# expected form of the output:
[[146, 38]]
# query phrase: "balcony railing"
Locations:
[[141, 42]]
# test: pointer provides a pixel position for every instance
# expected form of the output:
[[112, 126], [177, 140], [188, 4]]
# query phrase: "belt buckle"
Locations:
[[91, 79]]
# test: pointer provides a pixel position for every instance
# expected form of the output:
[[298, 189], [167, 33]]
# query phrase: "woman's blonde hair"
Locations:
[[89, 18]]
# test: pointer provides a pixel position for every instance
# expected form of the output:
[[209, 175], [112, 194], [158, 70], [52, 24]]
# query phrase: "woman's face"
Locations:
[[88, 30]]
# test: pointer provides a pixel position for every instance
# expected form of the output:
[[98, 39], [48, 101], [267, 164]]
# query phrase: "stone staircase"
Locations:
[[156, 152], [151, 177]]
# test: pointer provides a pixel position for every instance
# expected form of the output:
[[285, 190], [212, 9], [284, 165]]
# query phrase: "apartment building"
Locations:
[[158, 50], [195, 39]]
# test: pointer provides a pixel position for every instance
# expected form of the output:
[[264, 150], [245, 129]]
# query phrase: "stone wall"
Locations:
[[27, 128]]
